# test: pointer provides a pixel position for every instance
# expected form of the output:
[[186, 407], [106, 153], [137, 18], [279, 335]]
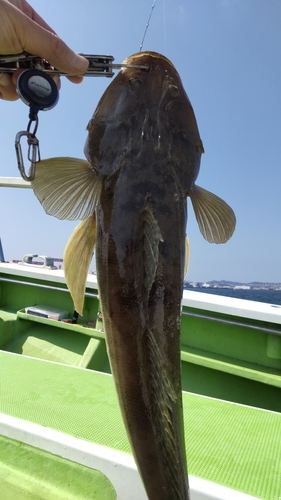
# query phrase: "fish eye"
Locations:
[[174, 90], [135, 83]]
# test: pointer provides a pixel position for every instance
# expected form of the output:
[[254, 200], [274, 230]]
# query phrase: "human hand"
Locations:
[[23, 30]]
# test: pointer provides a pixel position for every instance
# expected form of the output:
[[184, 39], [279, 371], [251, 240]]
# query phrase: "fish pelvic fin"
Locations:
[[187, 256], [77, 257], [215, 217], [67, 188]]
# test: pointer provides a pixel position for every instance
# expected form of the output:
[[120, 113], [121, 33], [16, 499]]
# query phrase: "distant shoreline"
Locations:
[[231, 285], [266, 294]]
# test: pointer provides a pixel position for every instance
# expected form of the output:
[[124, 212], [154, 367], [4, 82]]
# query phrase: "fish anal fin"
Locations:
[[77, 257], [187, 256], [163, 400], [67, 188], [215, 217]]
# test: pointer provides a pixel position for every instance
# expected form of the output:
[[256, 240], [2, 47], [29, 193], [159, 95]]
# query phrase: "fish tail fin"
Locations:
[[77, 257], [215, 217]]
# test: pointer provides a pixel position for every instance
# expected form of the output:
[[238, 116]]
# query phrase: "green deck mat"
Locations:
[[29, 473], [231, 445]]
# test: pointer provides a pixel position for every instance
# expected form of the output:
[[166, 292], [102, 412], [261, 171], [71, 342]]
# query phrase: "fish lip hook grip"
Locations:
[[99, 65]]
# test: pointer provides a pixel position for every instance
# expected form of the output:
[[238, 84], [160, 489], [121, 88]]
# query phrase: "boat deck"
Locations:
[[229, 444], [28, 473]]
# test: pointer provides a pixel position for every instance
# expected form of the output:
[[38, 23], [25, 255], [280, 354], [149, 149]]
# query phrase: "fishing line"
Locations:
[[164, 22], [147, 24]]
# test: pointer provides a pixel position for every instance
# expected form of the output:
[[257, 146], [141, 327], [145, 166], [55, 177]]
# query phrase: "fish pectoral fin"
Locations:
[[215, 217], [148, 238], [187, 256], [67, 188], [77, 257]]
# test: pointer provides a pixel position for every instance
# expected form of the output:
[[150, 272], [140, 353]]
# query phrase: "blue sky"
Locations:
[[228, 55]]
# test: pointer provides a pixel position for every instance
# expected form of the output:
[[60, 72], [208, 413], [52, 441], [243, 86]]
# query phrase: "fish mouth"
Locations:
[[143, 58]]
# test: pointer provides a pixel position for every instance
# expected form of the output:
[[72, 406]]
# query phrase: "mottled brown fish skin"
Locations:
[[143, 152], [149, 151]]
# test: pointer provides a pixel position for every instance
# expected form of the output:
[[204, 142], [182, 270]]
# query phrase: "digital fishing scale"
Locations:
[[38, 90]]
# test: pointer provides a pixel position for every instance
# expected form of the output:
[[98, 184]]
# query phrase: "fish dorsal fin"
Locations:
[[149, 231], [77, 257], [67, 188], [187, 256], [215, 217]]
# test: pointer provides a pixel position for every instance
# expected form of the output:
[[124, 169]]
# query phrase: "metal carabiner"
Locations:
[[33, 154]]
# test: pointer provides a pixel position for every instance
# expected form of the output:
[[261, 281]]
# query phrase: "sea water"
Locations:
[[269, 296]]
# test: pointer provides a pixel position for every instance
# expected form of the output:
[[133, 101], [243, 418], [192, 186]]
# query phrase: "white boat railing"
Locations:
[[14, 182]]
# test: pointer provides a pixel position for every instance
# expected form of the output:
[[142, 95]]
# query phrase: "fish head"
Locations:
[[145, 109]]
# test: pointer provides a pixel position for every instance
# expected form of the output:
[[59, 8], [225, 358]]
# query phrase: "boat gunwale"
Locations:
[[219, 304]]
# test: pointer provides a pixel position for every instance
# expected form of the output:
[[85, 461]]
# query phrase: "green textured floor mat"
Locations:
[[232, 445], [30, 473]]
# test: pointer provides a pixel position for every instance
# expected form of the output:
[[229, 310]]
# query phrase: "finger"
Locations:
[[49, 46], [63, 58], [27, 35], [75, 79], [7, 88]]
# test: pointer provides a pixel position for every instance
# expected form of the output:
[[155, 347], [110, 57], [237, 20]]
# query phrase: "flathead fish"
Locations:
[[143, 156]]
